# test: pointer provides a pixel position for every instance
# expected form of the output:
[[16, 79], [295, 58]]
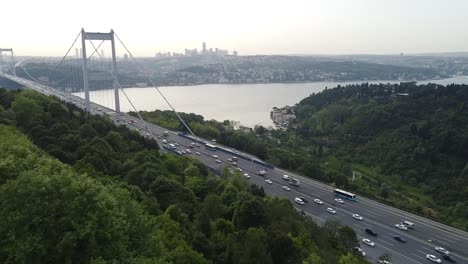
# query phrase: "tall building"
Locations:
[[102, 53], [204, 48], [77, 53]]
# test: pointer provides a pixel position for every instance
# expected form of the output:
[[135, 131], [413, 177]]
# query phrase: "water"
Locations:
[[250, 104]]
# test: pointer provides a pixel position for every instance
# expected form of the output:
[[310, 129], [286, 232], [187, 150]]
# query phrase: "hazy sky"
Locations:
[[48, 27]]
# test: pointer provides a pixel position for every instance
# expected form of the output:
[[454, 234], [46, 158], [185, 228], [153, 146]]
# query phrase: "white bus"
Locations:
[[345, 194], [210, 147]]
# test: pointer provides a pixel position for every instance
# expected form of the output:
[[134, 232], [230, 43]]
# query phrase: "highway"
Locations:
[[421, 240]]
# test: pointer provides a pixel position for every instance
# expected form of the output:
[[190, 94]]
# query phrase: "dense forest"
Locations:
[[75, 188], [407, 144]]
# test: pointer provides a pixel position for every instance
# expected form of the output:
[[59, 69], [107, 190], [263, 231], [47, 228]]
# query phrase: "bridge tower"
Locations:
[[11, 62], [86, 77]]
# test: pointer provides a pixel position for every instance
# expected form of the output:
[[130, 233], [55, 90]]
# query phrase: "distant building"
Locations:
[[125, 57], [204, 48], [77, 53], [234, 53]]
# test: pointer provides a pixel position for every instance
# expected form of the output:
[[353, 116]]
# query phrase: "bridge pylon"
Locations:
[[11, 62], [99, 36]]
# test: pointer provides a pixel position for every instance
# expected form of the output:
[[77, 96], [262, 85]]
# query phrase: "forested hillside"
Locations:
[[405, 139], [407, 144], [75, 188]]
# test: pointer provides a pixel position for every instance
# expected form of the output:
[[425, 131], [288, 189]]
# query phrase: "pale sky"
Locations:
[[48, 27]]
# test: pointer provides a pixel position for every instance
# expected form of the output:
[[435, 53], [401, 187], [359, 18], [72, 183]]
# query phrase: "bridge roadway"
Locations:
[[381, 218]]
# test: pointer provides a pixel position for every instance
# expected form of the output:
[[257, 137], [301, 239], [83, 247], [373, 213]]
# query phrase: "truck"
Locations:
[[294, 181], [165, 133]]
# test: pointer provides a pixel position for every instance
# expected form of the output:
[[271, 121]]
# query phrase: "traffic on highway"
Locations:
[[381, 229]]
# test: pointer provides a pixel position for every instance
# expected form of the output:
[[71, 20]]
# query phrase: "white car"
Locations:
[[285, 177], [177, 144], [402, 227], [218, 161], [433, 258], [239, 169], [286, 188], [268, 181], [442, 250], [358, 217], [188, 151], [247, 175], [338, 200], [164, 141], [318, 201], [198, 153], [215, 156], [359, 251], [298, 201], [331, 210], [368, 242]]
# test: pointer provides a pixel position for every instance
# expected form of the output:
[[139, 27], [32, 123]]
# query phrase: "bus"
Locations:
[[345, 194], [210, 147]]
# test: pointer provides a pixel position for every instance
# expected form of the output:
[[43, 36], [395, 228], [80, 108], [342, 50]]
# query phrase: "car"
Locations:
[[262, 173], [164, 141], [198, 153], [218, 161], [247, 175], [408, 224], [188, 151], [359, 251], [442, 250], [147, 134], [234, 163], [298, 201], [179, 152], [304, 199], [370, 232], [384, 262], [285, 177], [368, 242], [358, 217], [197, 145], [190, 146], [230, 160], [184, 152], [215, 156], [138, 129], [402, 227], [286, 188], [449, 258], [331, 210], [400, 239], [159, 137], [338, 200], [433, 258], [239, 169], [318, 201], [177, 144], [268, 181]]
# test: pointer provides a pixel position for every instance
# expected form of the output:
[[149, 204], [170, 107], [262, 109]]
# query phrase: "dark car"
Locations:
[[400, 239], [304, 199], [371, 232], [449, 258]]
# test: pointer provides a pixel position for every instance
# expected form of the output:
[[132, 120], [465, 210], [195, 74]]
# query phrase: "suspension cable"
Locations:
[[156, 87], [120, 87]]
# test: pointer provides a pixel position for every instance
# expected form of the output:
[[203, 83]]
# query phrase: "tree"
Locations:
[[385, 257], [348, 237], [349, 259]]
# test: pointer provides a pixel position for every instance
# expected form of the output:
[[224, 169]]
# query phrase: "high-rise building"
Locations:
[[102, 53], [204, 48], [77, 53]]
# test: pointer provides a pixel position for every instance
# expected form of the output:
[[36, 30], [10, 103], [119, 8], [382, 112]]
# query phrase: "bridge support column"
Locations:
[[114, 71], [85, 70]]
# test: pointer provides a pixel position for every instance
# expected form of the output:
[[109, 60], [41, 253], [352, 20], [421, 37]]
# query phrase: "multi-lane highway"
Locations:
[[420, 241]]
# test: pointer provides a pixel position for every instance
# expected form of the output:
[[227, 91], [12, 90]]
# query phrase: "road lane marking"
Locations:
[[361, 237], [418, 257], [446, 239], [385, 242]]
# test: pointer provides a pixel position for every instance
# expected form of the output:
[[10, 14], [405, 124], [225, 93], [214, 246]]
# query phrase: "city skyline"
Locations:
[[260, 27]]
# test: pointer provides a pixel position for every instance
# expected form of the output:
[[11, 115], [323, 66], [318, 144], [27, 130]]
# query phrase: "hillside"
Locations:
[[407, 144], [75, 188], [405, 139]]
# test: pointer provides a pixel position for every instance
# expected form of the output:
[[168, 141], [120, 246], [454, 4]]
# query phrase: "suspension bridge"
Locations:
[[80, 74]]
